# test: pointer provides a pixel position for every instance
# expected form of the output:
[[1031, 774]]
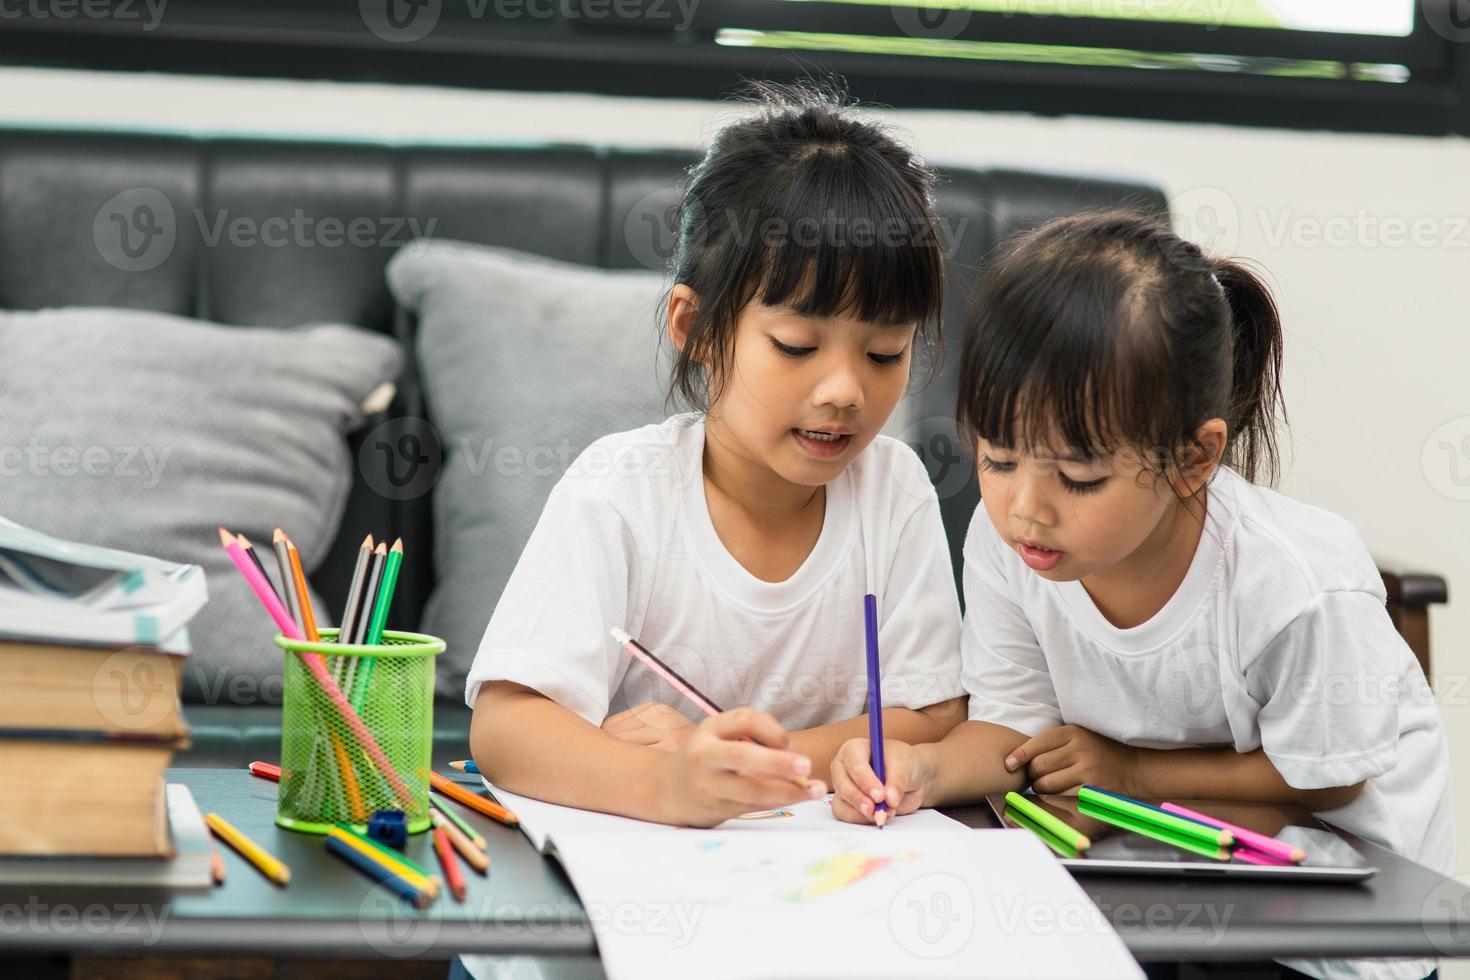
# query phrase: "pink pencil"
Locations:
[[1250, 856], [1256, 842], [664, 670], [287, 625], [675, 681]]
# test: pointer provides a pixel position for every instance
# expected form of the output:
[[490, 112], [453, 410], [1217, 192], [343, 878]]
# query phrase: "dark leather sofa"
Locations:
[[575, 203]]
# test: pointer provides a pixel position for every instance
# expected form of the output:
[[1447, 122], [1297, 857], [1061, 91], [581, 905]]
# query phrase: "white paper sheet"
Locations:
[[542, 820], [849, 903]]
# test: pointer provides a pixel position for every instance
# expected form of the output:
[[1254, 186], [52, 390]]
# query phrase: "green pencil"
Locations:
[[1061, 847], [1117, 819], [379, 620], [1154, 817], [1049, 823]]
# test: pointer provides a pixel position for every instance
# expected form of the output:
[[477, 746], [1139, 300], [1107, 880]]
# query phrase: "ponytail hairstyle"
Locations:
[[806, 205], [1108, 331]]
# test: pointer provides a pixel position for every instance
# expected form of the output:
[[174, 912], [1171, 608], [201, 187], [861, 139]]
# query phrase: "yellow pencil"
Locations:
[[428, 884], [269, 866]]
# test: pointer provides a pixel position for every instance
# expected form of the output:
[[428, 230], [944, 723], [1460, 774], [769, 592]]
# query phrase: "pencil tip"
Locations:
[[278, 537], [397, 545], [243, 540], [381, 549], [226, 538]]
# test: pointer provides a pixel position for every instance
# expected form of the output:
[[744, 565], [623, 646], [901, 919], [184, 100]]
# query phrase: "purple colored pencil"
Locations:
[[875, 703]]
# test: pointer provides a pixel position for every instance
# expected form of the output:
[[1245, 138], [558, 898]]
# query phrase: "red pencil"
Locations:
[[266, 770], [449, 863]]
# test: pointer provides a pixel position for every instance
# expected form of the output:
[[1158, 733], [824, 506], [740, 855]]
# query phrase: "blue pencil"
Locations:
[[875, 704], [378, 873]]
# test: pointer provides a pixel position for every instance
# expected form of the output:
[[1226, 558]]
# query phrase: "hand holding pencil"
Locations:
[[721, 772], [857, 791]]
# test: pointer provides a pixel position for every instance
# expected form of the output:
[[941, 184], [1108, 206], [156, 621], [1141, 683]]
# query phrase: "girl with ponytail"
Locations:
[[1141, 615]]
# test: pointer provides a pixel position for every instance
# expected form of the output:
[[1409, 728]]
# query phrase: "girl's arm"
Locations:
[[1225, 774], [1062, 759], [713, 777]]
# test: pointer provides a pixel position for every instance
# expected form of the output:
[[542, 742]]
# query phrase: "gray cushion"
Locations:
[[145, 431], [524, 362]]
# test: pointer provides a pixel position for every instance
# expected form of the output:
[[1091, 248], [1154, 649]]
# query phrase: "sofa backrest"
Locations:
[[301, 260]]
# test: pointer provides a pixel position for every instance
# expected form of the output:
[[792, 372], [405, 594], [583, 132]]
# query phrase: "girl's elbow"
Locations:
[[1331, 798]]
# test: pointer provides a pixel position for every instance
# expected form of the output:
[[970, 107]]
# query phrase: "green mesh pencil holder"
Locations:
[[329, 774]]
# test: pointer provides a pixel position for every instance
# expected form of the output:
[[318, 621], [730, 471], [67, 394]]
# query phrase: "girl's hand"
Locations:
[[1060, 760], [856, 788], [714, 775], [651, 723]]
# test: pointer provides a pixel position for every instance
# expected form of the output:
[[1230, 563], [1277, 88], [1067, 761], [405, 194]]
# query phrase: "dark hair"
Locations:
[[803, 204], [1110, 331]]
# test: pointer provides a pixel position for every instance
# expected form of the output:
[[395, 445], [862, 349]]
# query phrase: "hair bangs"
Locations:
[[844, 239]]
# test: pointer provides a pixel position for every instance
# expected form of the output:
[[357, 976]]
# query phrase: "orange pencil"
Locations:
[[474, 801], [452, 875], [308, 626], [472, 855], [216, 865]]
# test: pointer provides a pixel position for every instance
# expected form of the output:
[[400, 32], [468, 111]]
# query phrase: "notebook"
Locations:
[[795, 894]]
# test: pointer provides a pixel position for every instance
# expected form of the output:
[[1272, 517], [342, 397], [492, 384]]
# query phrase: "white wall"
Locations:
[[1367, 239]]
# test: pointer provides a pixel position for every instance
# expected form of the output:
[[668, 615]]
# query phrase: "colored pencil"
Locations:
[[300, 595], [314, 664], [411, 872], [216, 866], [1060, 847], [474, 801], [283, 561], [1049, 822], [473, 856], [378, 621], [1249, 856], [444, 851], [466, 765], [875, 705], [1249, 838], [672, 678], [265, 770], [364, 613], [1148, 814], [269, 866], [354, 601], [458, 821], [379, 873], [1154, 831], [255, 557]]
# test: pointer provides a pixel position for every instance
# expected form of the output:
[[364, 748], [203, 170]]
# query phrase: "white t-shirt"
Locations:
[[1278, 638], [626, 540]]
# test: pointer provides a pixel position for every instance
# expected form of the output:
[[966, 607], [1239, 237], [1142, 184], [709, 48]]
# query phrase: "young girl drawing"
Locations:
[[737, 541], [1139, 614]]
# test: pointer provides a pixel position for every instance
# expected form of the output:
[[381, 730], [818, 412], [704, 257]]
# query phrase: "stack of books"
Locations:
[[92, 642]]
